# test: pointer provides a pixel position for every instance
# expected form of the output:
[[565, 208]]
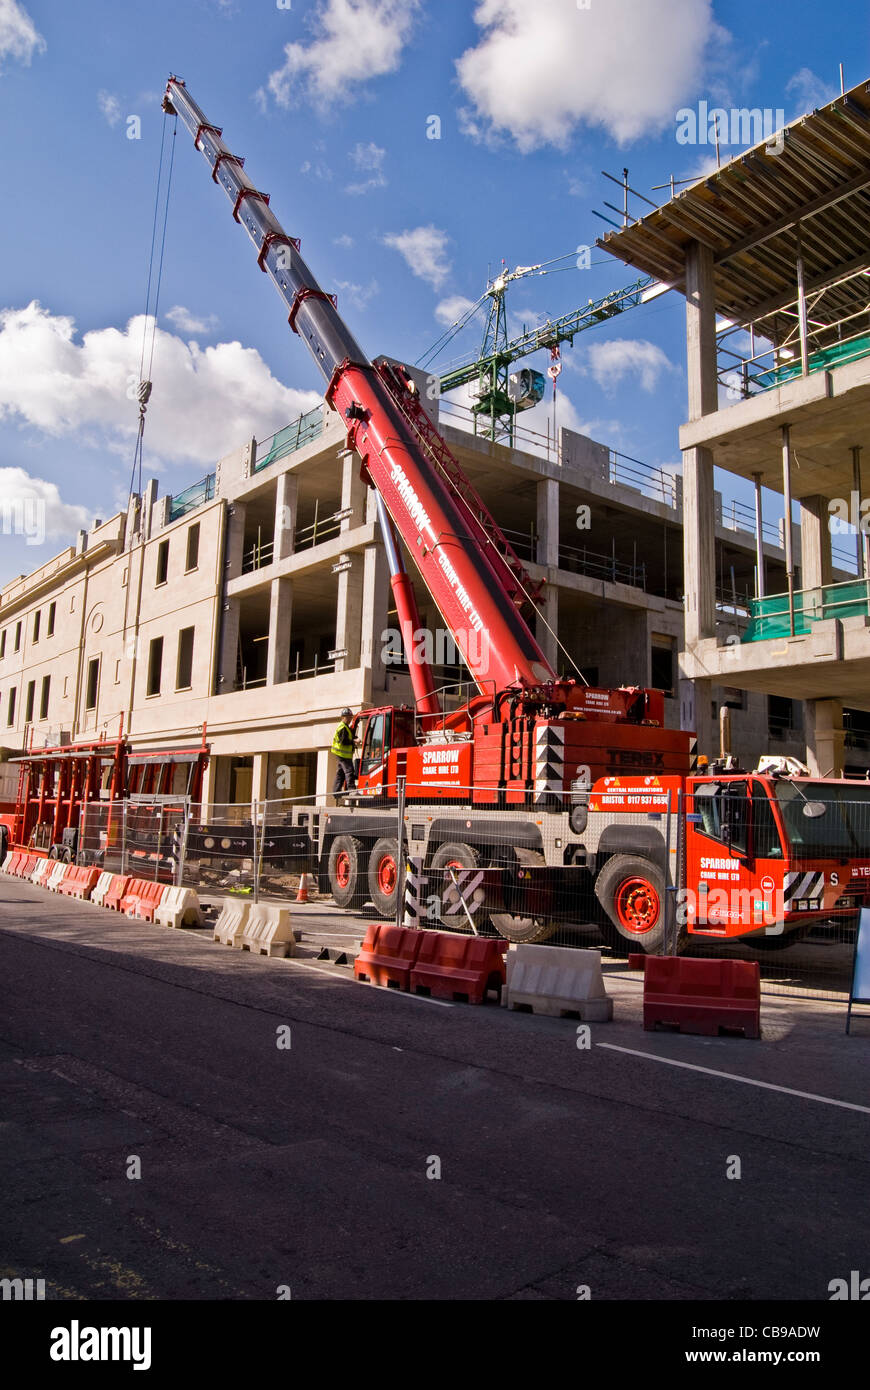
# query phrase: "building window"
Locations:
[[184, 669], [43, 697], [780, 716], [28, 702], [124, 576], [37, 618], [192, 546], [18, 637], [662, 651], [10, 707], [93, 683], [52, 609], [2, 644], [118, 671], [155, 666], [162, 562], [72, 603]]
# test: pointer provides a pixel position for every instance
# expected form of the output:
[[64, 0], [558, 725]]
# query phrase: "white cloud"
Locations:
[[344, 241], [355, 40], [425, 251], [186, 322], [33, 508], [319, 169], [540, 69], [110, 106], [368, 159], [611, 362], [205, 402], [358, 295], [452, 309], [809, 91], [19, 37]]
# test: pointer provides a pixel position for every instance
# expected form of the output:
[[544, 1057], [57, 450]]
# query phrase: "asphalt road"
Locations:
[[307, 1166]]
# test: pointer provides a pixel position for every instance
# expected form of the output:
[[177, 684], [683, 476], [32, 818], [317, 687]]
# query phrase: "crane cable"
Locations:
[[143, 390]]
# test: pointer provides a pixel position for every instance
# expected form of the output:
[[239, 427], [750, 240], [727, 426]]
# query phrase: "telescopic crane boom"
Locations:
[[467, 580]]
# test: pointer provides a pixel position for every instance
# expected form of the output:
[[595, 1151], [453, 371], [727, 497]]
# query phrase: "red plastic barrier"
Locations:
[[117, 889], [79, 882], [387, 955], [142, 898], [27, 865], [458, 967], [17, 864], [702, 996]]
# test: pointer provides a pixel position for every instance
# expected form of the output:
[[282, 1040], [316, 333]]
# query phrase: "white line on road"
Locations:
[[349, 980], [731, 1076]]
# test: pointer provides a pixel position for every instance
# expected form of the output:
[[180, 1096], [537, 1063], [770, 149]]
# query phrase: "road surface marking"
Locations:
[[399, 993], [732, 1076]]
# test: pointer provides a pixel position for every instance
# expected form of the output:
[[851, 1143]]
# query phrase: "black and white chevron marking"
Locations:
[[549, 761], [414, 909], [803, 885]]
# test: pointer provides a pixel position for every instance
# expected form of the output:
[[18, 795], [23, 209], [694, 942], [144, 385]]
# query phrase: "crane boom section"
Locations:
[[494, 639]]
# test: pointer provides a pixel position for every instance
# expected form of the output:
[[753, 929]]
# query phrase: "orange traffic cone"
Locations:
[[302, 895]]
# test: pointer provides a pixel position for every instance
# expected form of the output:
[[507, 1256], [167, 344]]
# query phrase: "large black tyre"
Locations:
[[347, 875], [383, 877], [455, 856], [631, 892], [518, 927]]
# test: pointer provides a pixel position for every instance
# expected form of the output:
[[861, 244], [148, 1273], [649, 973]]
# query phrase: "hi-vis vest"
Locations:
[[342, 743]]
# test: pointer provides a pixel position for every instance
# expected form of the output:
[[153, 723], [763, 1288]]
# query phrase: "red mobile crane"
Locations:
[[559, 800]]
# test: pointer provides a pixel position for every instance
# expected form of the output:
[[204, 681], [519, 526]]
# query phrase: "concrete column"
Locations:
[[547, 625], [286, 506], [229, 647], [375, 605], [353, 493], [699, 561], [235, 540], [348, 613], [548, 522], [280, 616], [700, 332], [815, 542], [699, 554], [326, 765], [826, 738], [696, 714], [260, 778]]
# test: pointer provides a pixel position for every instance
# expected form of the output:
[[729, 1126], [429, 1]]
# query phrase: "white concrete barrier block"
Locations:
[[268, 931], [7, 861], [41, 872], [557, 981], [179, 908], [231, 923], [53, 879], [101, 888]]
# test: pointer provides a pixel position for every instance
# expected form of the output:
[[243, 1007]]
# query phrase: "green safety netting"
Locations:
[[834, 356], [770, 616], [292, 437]]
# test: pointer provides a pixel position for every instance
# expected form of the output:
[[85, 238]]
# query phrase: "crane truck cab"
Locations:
[[767, 856]]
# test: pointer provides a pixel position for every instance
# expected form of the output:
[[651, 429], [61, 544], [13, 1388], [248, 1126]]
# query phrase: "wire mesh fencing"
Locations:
[[624, 866]]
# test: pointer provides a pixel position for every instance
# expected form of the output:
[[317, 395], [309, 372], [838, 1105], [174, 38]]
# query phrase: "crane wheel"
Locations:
[[523, 929], [631, 892], [452, 858], [383, 876], [515, 926], [347, 876]]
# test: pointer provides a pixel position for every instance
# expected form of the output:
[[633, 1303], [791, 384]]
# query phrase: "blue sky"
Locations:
[[329, 101]]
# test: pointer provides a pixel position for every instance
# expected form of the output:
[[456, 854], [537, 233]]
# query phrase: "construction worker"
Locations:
[[342, 747]]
